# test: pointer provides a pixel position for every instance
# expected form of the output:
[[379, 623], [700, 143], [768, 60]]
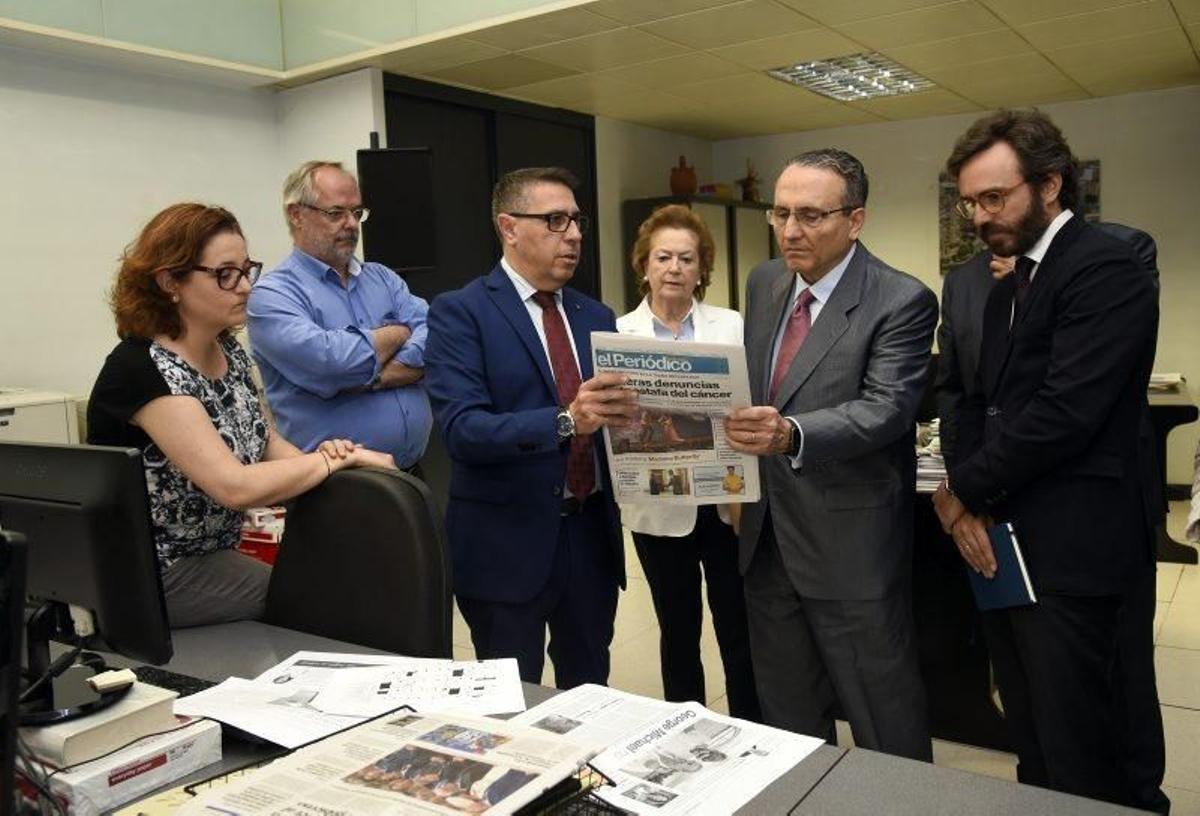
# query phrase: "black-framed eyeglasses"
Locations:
[[230, 277], [778, 216], [557, 221], [992, 201], [338, 214]]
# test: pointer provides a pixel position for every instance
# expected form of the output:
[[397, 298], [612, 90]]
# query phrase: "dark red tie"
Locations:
[[793, 337], [581, 469]]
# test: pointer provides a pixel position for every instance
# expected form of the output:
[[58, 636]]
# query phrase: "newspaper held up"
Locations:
[[404, 763], [675, 451]]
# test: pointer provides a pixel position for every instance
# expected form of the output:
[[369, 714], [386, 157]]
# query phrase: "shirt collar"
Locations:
[[525, 289], [688, 319], [307, 262], [1038, 251], [823, 288]]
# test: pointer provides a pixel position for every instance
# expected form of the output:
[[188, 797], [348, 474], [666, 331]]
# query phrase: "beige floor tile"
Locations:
[[633, 567], [1183, 802], [969, 758], [719, 705], [635, 611], [1182, 728], [1178, 675], [1181, 628], [461, 634], [1167, 579], [635, 665], [1177, 520], [463, 652], [1160, 617], [1187, 593]]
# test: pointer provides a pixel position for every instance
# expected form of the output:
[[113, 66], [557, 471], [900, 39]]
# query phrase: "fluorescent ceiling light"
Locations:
[[858, 76]]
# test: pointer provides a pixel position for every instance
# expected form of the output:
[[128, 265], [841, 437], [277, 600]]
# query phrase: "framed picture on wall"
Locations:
[[957, 240]]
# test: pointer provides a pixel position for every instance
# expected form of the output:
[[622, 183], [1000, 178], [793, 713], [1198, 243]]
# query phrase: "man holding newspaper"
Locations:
[[837, 346]]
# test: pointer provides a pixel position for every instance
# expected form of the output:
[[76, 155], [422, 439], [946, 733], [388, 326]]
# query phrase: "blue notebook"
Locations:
[[1010, 586]]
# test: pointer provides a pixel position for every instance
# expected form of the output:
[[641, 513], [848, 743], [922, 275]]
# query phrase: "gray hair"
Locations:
[[840, 162], [298, 188]]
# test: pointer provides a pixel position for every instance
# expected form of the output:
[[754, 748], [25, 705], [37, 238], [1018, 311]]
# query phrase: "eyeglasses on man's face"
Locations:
[[557, 221], [230, 277], [778, 216], [990, 201], [338, 214]]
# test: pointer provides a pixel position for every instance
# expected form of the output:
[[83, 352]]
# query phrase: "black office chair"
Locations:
[[364, 560]]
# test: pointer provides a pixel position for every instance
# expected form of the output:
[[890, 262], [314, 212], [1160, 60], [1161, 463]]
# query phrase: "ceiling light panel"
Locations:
[[853, 77]]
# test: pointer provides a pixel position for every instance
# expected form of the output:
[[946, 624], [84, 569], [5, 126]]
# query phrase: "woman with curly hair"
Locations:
[[178, 388]]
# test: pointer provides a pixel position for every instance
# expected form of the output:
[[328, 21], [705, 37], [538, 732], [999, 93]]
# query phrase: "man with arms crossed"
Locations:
[[838, 345], [532, 524], [1052, 442], [340, 343]]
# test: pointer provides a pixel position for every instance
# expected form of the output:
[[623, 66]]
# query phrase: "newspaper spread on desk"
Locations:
[[405, 764], [695, 761], [666, 758], [675, 452]]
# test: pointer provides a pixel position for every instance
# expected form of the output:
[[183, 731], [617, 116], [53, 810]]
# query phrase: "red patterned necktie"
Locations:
[[793, 336], [581, 472]]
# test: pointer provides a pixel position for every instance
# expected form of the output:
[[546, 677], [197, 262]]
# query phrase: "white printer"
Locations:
[[37, 416]]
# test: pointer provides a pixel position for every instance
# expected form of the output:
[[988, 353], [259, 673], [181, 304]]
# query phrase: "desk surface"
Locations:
[[830, 781]]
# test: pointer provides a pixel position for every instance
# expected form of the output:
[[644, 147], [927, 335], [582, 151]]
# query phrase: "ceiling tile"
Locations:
[[748, 89], [937, 102], [1170, 74], [507, 71], [959, 50], [1189, 10], [545, 29], [1062, 32], [726, 25], [434, 56], [650, 108], [1100, 55], [835, 12], [667, 73], [632, 12], [1006, 78], [1194, 34], [583, 89], [610, 49], [1021, 12], [1027, 97], [923, 25], [772, 52]]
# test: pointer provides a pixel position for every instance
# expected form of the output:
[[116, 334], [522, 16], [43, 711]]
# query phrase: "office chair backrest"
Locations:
[[364, 560]]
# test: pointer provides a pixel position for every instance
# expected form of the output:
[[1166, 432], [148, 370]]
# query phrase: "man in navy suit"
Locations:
[[533, 528], [1052, 442]]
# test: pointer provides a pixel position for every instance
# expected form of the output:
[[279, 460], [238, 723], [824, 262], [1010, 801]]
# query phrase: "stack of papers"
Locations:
[[1165, 381], [314, 694], [931, 467]]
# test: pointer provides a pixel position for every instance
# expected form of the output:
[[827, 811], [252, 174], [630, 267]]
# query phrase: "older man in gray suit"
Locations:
[[838, 347]]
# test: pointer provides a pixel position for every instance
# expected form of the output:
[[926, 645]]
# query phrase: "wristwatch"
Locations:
[[793, 439], [564, 425]]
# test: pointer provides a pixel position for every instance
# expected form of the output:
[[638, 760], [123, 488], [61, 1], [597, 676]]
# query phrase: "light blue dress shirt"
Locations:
[[311, 338], [821, 290]]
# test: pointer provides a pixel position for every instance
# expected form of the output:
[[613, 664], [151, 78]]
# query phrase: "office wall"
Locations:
[[1150, 166], [634, 162], [91, 153]]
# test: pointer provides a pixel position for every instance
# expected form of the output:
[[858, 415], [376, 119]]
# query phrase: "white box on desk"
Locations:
[[103, 784]]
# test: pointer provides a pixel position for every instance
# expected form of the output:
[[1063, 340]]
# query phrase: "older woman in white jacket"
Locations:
[[673, 258]]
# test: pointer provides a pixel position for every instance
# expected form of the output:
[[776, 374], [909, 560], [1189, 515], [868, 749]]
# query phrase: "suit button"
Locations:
[[557, 490], [993, 411]]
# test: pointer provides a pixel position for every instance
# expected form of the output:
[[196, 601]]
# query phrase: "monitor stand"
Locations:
[[65, 694]]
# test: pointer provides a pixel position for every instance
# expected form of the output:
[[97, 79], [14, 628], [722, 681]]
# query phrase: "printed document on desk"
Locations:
[[595, 716], [405, 763], [675, 451], [476, 687], [693, 761]]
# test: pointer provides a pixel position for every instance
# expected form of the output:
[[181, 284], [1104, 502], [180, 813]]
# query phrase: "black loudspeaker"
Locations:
[[397, 187]]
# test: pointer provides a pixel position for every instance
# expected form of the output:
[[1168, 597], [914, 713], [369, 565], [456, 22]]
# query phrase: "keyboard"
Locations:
[[172, 681]]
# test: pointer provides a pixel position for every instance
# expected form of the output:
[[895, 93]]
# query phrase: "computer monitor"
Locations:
[[84, 512]]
